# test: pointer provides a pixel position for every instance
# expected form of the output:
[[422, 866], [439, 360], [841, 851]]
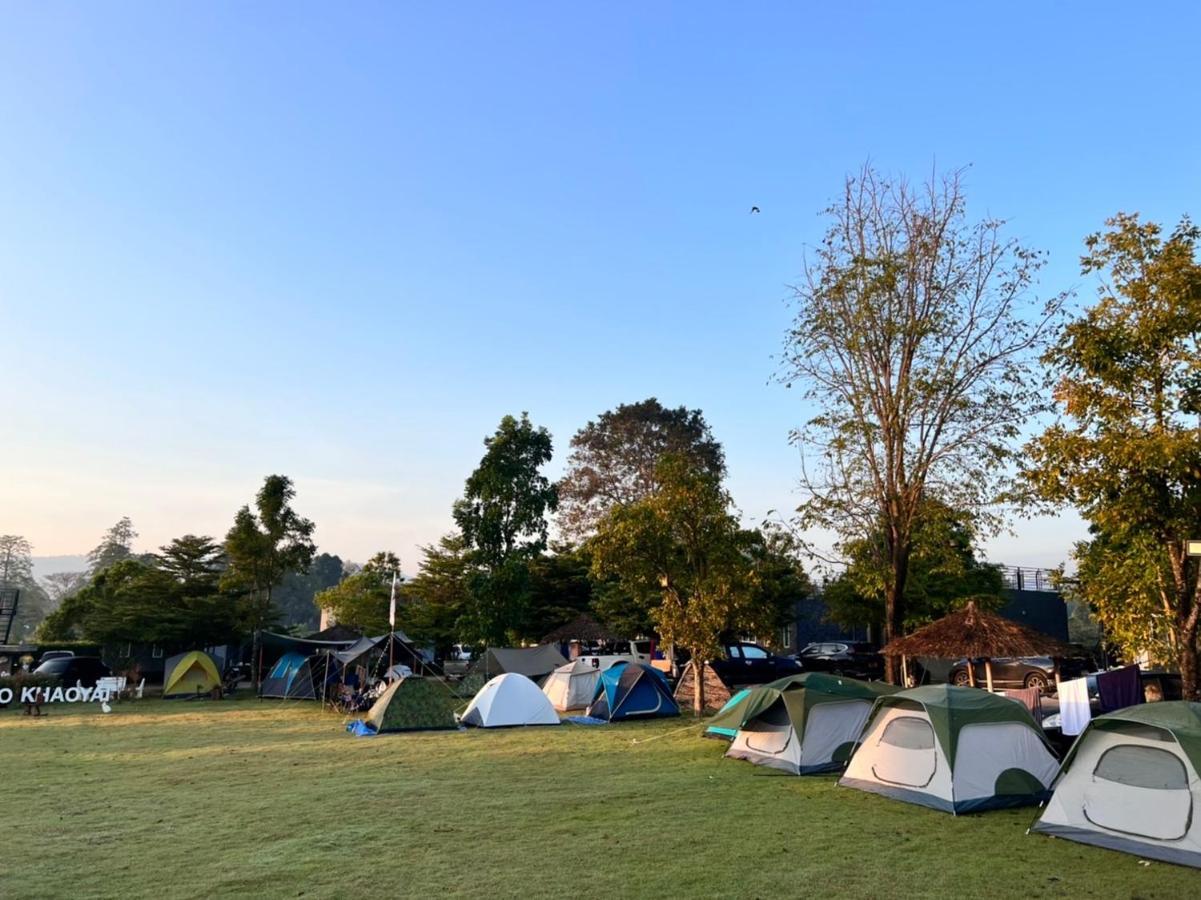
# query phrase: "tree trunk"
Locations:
[[1186, 624], [894, 608], [698, 687]]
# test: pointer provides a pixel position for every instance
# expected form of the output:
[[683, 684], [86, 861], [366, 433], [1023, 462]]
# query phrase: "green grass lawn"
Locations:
[[164, 799]]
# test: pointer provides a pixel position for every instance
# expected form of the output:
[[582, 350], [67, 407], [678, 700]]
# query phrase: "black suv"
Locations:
[[87, 670], [747, 663], [1020, 672], [855, 659]]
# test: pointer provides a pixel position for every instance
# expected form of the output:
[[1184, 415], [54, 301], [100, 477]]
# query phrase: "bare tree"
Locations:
[[915, 340]]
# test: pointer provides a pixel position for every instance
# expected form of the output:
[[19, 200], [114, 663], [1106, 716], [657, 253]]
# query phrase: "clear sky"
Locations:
[[340, 241]]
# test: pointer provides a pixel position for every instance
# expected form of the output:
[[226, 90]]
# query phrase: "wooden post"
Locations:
[[971, 672], [988, 673], [1055, 671], [904, 670]]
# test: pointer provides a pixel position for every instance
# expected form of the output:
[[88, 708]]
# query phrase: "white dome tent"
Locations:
[[571, 686], [509, 700]]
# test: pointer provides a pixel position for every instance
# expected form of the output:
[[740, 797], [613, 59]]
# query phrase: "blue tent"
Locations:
[[290, 677], [632, 691]]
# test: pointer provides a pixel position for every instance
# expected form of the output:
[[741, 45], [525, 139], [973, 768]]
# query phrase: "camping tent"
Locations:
[[571, 686], [188, 674], [1130, 782], [725, 722], [805, 724], [957, 749], [412, 704], [509, 699], [532, 662], [632, 690], [291, 678]]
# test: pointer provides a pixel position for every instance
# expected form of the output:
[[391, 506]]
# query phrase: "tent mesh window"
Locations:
[[1143, 767], [908, 733]]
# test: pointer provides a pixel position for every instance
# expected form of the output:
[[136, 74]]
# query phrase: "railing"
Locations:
[[1021, 578]]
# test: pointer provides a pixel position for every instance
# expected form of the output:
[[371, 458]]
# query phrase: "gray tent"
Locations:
[[532, 662]]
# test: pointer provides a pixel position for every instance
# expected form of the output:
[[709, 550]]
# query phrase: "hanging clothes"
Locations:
[[1074, 710], [1031, 698], [1120, 688]]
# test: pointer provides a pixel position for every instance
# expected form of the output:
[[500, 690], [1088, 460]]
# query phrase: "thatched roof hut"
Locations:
[[582, 628], [972, 633]]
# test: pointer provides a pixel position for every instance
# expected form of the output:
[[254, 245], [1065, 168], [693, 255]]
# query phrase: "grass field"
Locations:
[[256, 798]]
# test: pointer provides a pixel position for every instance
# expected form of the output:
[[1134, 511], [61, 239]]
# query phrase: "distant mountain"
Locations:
[[49, 565]]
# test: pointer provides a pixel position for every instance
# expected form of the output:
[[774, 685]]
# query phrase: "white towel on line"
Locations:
[[1074, 710]]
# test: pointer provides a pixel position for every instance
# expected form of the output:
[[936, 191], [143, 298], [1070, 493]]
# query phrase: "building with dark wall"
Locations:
[[1030, 599]]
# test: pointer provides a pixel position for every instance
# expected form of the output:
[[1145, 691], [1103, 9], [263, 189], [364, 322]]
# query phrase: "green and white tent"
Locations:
[[1130, 783], [805, 724], [956, 749]]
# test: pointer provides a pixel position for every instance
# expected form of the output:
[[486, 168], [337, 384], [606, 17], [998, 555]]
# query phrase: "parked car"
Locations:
[[747, 663], [56, 654], [87, 670], [1020, 672], [855, 659]]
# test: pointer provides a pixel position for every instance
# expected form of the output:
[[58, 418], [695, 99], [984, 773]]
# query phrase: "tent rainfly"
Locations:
[[805, 724], [290, 678], [1130, 783], [724, 724], [571, 686], [632, 691], [412, 704], [189, 674], [956, 749], [972, 633], [508, 700], [532, 662]]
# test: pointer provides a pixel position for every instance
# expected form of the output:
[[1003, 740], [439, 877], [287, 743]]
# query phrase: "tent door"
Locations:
[[1142, 791], [905, 754]]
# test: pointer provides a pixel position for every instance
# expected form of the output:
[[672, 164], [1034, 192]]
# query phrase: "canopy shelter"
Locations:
[[972, 633], [571, 686], [380, 652], [412, 704], [1130, 783], [189, 674], [532, 662], [805, 724], [335, 632], [509, 700], [632, 691], [582, 628], [956, 749], [272, 646]]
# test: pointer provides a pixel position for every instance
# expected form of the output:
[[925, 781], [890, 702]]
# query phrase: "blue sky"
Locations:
[[341, 241]]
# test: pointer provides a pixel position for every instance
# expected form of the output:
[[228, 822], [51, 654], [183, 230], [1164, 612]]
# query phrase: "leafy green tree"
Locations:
[[140, 602], [195, 562], [296, 595], [560, 589], [16, 571], [1127, 450], [684, 542], [438, 597], [263, 548], [614, 458], [115, 546], [60, 585], [502, 517], [915, 338], [363, 600], [944, 572]]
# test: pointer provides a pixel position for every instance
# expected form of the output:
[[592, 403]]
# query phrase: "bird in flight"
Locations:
[[754, 209]]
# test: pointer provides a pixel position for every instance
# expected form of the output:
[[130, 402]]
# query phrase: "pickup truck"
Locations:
[[602, 656]]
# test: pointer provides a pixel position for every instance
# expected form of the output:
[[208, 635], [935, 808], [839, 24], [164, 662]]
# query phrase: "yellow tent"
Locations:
[[189, 674]]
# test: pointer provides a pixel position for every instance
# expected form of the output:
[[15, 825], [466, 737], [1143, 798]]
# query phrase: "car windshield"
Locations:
[[54, 666]]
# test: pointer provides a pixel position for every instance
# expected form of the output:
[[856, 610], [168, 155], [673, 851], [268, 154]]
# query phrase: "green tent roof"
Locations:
[[801, 693], [412, 704], [1180, 718], [950, 708]]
